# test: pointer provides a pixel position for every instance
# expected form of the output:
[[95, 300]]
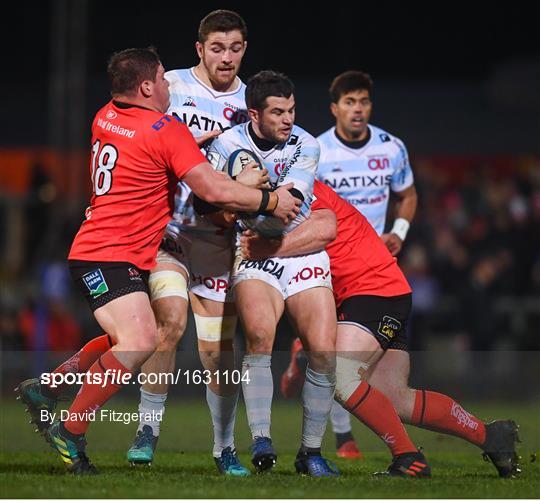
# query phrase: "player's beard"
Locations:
[[271, 135], [224, 80]]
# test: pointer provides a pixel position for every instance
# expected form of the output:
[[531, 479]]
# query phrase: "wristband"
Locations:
[[400, 228], [264, 202], [270, 210]]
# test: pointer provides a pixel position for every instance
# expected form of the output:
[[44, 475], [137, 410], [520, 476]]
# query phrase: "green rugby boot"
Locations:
[[39, 406], [72, 450], [143, 447]]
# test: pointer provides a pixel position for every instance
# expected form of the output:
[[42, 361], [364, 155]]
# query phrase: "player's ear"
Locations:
[[253, 115], [147, 88], [333, 109], [199, 49]]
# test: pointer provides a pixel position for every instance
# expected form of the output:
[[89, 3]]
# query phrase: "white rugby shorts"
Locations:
[[289, 275], [207, 261]]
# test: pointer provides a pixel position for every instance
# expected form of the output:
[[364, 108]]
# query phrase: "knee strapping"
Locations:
[[215, 329], [348, 376]]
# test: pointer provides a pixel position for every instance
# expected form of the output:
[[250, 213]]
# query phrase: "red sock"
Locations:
[[93, 396], [439, 412], [376, 411], [83, 359]]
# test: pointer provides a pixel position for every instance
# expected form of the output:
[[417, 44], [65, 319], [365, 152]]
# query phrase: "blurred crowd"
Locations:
[[472, 257], [473, 254]]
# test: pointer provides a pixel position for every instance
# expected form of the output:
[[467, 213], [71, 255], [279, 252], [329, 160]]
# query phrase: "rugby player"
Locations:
[[195, 254], [301, 285], [373, 301], [363, 164], [137, 150]]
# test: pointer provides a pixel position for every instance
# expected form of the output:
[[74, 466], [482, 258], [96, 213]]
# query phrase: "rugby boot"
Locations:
[[408, 465], [143, 447], [264, 456], [314, 465], [229, 464], [39, 406], [72, 450], [349, 450], [500, 447]]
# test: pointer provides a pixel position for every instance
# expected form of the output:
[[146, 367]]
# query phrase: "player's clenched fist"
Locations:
[[287, 205]]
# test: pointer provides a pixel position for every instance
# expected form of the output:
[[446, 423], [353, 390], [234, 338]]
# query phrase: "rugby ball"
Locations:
[[239, 159]]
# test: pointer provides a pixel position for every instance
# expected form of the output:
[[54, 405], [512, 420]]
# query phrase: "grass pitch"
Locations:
[[184, 468]]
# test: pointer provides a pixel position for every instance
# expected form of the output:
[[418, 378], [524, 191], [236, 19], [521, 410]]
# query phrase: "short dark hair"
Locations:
[[350, 81], [128, 68], [221, 20], [265, 84]]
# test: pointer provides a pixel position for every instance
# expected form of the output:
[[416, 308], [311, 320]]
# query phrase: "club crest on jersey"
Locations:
[[389, 327], [111, 115], [95, 282]]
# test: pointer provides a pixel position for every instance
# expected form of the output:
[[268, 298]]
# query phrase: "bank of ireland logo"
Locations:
[[95, 282]]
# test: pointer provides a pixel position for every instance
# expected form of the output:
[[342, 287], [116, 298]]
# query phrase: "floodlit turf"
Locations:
[[184, 467]]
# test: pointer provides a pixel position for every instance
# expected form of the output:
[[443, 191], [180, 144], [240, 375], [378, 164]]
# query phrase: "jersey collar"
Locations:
[[214, 93], [354, 145], [126, 106]]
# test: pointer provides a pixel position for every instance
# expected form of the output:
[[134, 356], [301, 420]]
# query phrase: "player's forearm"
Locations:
[[234, 196], [408, 201], [219, 189], [312, 235]]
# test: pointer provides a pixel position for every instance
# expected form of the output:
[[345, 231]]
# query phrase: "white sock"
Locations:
[[223, 412], [151, 410], [258, 393], [317, 398], [341, 419]]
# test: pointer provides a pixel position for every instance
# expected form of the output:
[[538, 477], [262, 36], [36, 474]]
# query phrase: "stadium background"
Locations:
[[457, 83]]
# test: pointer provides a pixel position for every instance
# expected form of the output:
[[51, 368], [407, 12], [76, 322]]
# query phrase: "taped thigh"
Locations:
[[167, 283]]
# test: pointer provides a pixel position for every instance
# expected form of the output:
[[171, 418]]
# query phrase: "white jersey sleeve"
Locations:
[[402, 177]]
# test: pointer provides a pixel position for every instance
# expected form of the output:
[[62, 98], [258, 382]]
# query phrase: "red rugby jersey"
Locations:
[[360, 262], [138, 155]]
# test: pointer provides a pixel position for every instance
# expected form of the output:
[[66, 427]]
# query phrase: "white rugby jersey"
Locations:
[[294, 161], [202, 109], [365, 176]]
